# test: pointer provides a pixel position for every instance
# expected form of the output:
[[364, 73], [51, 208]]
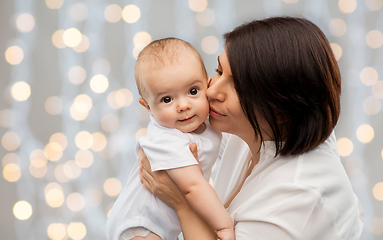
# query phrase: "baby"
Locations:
[[172, 80]]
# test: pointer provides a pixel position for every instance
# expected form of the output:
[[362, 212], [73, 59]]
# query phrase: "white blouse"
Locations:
[[301, 197]]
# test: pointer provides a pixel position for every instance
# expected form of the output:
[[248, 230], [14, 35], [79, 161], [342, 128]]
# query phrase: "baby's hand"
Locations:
[[226, 234]]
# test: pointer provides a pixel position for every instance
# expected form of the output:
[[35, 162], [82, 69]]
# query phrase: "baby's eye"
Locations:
[[166, 99], [193, 91]]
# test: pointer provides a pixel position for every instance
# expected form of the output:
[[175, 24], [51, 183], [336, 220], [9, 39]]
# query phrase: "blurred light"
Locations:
[[83, 45], [206, 18], [53, 105], [10, 158], [76, 115], [337, 27], [37, 154], [99, 83], [124, 97], [137, 49], [7, 118], [75, 202], [11, 172], [112, 100], [141, 132], [142, 38], [377, 90], [93, 197], [374, 5], [347, 6], [22, 210], [83, 103], [290, 1], [110, 123], [84, 158], [365, 133], [38, 163], [10, 141], [14, 55], [368, 76], [345, 147], [210, 44], [54, 195], [54, 4], [377, 226], [371, 105], [72, 169], [78, 12], [58, 39], [113, 13], [20, 91], [374, 39], [131, 13], [72, 37], [378, 191], [112, 187], [57, 231], [101, 66], [84, 140], [337, 50], [25, 22], [53, 151], [197, 5], [76, 230], [38, 168], [120, 98], [99, 141], [77, 75], [59, 138], [60, 175]]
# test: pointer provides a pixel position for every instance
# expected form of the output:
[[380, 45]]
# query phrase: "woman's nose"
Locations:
[[215, 91]]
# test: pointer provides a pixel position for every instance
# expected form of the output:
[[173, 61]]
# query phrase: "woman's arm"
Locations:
[[162, 186]]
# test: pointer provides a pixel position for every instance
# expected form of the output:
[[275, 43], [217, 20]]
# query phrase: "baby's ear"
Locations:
[[144, 103], [209, 81]]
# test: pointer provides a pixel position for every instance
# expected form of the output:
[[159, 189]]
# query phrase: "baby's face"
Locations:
[[176, 95]]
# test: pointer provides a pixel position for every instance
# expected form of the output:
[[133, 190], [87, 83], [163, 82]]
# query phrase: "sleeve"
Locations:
[[168, 151], [286, 211]]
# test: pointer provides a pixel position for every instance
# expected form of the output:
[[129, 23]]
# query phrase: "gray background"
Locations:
[[45, 69]]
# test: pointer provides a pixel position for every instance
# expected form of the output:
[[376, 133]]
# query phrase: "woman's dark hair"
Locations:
[[284, 69]]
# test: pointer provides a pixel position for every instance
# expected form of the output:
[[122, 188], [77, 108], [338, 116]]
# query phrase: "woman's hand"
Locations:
[[161, 185]]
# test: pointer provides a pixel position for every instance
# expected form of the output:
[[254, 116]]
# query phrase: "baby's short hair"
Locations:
[[161, 53]]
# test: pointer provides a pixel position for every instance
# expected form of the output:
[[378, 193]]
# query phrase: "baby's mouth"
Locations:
[[186, 119]]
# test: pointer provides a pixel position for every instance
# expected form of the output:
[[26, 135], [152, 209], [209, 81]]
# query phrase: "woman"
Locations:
[[277, 93]]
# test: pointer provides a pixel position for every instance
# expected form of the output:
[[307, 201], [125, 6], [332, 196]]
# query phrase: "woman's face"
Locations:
[[226, 114]]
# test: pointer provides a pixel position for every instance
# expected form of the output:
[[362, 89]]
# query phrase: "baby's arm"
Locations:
[[203, 199]]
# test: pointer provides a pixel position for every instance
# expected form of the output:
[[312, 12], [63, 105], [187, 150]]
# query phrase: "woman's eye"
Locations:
[[218, 71], [193, 91], [166, 99]]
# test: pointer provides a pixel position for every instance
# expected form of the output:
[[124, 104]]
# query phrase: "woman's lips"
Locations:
[[214, 113]]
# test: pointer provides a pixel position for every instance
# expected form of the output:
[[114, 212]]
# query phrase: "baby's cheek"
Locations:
[[166, 118]]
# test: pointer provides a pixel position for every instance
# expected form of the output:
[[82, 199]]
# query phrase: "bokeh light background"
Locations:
[[69, 115]]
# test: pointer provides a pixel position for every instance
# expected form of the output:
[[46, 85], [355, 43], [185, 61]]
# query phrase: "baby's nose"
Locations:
[[183, 105]]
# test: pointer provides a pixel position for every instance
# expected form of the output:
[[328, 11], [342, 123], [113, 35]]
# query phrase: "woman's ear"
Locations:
[[144, 104]]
